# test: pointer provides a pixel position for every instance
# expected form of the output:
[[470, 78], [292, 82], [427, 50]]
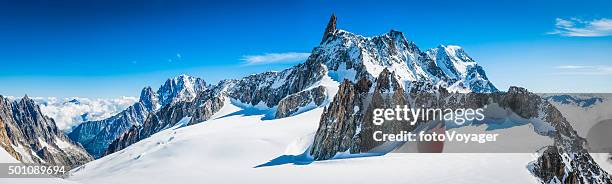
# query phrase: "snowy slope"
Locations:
[[6, 157], [236, 140]]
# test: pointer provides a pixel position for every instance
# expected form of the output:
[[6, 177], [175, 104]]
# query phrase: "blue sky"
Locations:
[[114, 48]]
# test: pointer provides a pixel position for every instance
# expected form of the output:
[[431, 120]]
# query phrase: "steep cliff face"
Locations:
[[6, 116], [339, 123], [34, 138]]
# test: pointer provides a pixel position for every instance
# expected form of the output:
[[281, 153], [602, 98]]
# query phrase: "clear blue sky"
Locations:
[[114, 48]]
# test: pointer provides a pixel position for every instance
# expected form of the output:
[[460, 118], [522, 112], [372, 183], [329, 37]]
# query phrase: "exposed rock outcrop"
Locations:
[[340, 121], [330, 29], [294, 103], [33, 137]]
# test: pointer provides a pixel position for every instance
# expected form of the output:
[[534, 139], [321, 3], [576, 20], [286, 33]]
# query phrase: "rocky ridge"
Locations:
[[282, 92], [346, 125], [96, 136], [32, 137]]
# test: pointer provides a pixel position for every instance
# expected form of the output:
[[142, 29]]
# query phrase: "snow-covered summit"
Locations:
[[352, 56], [180, 88]]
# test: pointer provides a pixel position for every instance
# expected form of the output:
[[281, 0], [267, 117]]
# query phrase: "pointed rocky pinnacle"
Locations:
[[331, 28]]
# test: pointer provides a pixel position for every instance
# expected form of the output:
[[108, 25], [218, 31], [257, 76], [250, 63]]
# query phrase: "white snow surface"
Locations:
[[227, 148], [6, 158]]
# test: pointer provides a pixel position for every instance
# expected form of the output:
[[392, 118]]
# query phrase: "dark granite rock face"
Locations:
[[340, 120], [342, 126], [41, 142], [270, 88], [205, 106], [330, 29], [522, 102], [557, 165], [6, 116], [292, 103], [551, 167]]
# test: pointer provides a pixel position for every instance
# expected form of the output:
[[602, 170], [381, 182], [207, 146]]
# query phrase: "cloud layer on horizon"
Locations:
[[68, 112]]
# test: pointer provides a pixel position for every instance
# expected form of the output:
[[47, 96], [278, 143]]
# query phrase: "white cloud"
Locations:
[[68, 112], [584, 70], [270, 58], [573, 67], [575, 27]]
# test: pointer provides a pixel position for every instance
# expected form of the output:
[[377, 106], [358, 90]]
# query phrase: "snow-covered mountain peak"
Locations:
[[351, 56], [452, 59], [149, 98], [180, 88], [456, 53]]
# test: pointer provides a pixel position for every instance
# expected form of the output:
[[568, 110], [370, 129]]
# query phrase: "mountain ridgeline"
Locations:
[[31, 137], [95, 136], [347, 74]]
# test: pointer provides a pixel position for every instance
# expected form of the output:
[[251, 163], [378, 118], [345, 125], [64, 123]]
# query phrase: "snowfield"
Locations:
[[228, 149]]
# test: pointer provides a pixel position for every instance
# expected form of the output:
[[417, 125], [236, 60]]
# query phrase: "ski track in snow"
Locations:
[[227, 149]]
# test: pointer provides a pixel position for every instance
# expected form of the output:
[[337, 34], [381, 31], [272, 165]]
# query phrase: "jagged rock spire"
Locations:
[[149, 98], [331, 27]]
